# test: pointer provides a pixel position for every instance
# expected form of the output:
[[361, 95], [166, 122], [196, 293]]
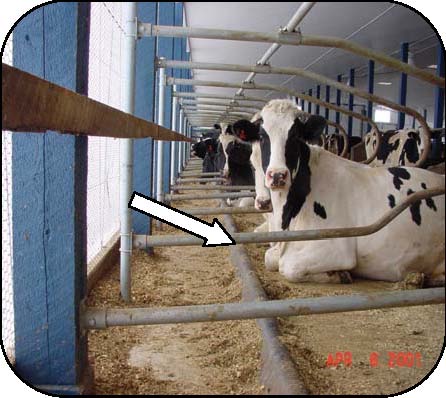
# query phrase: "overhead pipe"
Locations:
[[219, 103], [126, 175], [220, 96], [290, 38], [295, 20], [198, 107], [267, 69], [144, 241], [310, 99]]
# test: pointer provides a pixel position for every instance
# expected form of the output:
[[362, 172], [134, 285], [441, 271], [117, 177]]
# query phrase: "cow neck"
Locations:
[[297, 157]]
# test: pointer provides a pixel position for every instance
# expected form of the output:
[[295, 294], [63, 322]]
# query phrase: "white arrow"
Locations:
[[213, 234]]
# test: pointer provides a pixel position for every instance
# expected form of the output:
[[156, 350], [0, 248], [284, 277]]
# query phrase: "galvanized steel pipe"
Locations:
[[253, 86], [229, 195], [100, 318], [126, 175], [160, 146], [216, 96], [212, 187], [290, 38], [289, 236], [267, 69]]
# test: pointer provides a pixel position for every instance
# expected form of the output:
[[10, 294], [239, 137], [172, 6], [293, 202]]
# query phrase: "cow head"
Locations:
[[288, 134], [225, 139]]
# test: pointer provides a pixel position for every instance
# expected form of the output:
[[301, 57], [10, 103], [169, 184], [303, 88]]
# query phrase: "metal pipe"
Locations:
[[181, 147], [213, 187], [173, 144], [126, 175], [214, 96], [160, 145], [197, 175], [290, 38], [223, 210], [221, 103], [216, 107], [295, 20], [229, 195], [290, 236], [100, 318], [187, 180], [267, 69], [285, 90]]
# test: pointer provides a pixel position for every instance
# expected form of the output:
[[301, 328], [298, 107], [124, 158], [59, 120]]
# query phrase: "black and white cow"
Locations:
[[314, 189], [207, 150], [237, 167]]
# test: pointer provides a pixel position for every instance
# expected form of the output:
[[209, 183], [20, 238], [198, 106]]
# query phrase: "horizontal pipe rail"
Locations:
[[229, 195], [215, 96], [101, 318], [293, 39], [205, 179], [224, 210], [267, 69], [293, 236], [212, 187], [193, 175], [219, 103], [253, 86]]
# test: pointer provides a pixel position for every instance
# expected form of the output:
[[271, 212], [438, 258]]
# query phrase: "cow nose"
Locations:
[[278, 178]]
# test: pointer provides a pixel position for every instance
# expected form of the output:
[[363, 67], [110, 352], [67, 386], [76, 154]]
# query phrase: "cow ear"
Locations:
[[314, 128], [246, 130]]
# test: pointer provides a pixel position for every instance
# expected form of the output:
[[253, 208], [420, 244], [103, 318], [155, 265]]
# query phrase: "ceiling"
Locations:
[[382, 26]]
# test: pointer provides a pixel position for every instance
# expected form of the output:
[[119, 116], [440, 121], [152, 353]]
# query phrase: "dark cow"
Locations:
[[335, 143], [314, 189]]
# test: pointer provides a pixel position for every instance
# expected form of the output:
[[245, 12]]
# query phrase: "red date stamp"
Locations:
[[393, 359]]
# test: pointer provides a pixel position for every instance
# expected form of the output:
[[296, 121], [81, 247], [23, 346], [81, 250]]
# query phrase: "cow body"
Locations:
[[314, 189]]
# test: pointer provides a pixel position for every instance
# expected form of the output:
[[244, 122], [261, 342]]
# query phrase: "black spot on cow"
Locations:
[[429, 201], [297, 158], [399, 174], [415, 209], [386, 148], [320, 210], [391, 201], [410, 149]]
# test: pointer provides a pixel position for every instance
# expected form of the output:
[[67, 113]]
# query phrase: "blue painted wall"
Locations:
[[144, 108], [49, 208]]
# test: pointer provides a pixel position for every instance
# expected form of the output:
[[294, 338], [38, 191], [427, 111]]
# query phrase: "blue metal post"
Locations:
[[327, 99], [439, 91], [318, 96], [338, 103], [166, 16], [49, 191], [371, 89], [144, 108], [403, 85], [310, 93], [350, 102], [303, 102]]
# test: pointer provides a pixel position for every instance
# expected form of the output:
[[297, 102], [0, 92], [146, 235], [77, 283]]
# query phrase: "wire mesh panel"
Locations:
[[7, 264], [104, 85]]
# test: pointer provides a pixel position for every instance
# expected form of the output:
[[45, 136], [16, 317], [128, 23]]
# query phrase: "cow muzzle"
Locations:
[[263, 204], [276, 179]]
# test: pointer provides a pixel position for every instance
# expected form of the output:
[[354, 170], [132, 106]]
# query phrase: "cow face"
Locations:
[[287, 134]]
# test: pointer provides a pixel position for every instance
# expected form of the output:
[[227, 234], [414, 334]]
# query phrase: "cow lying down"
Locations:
[[237, 168], [312, 188]]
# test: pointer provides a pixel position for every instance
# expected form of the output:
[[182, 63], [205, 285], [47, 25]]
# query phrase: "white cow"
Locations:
[[312, 188]]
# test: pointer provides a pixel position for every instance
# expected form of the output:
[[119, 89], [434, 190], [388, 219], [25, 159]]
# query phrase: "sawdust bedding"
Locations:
[[198, 358], [365, 336]]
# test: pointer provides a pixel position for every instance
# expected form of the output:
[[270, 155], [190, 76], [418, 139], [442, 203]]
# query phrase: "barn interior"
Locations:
[[99, 297]]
